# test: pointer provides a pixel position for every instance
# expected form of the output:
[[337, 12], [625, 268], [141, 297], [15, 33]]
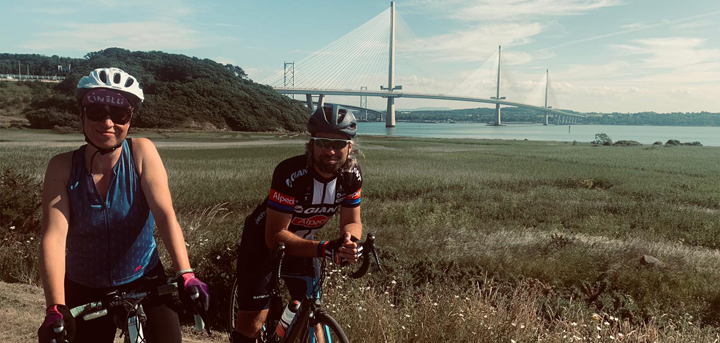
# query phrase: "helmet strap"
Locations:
[[99, 150]]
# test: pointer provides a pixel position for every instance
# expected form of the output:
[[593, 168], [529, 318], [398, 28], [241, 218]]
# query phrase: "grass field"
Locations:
[[482, 240]]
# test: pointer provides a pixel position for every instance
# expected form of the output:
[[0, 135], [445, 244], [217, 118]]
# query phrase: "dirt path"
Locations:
[[22, 308]]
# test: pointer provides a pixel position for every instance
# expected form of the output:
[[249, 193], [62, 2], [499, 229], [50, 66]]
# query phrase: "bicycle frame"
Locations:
[[304, 323]]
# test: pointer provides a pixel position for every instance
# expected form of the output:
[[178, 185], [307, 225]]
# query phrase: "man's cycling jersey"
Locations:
[[110, 241], [312, 200]]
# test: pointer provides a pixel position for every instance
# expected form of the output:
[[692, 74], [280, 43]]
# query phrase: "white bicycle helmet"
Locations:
[[111, 78]]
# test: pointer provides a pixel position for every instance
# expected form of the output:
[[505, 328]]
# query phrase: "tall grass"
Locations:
[[537, 234]]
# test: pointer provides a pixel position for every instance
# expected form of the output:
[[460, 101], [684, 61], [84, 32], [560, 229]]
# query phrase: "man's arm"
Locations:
[[276, 231], [350, 221], [55, 221], [350, 225]]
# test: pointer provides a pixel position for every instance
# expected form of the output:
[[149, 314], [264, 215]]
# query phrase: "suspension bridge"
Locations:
[[356, 63]]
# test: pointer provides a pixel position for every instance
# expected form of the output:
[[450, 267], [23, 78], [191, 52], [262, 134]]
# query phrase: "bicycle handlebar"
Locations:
[[368, 248], [97, 309]]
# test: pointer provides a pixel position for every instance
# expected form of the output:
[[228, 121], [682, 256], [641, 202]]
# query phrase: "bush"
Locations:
[[672, 142], [602, 139], [20, 203], [49, 118], [627, 143]]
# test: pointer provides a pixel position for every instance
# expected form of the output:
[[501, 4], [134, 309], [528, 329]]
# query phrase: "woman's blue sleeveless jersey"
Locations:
[[110, 241]]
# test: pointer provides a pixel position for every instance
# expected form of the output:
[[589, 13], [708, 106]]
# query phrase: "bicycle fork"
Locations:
[[135, 325]]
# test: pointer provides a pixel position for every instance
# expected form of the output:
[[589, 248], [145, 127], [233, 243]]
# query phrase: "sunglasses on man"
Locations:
[[98, 112], [326, 143]]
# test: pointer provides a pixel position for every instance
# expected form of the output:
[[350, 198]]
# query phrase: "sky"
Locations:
[[602, 55]]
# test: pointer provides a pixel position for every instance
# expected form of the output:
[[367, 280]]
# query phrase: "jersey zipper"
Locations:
[[107, 231]]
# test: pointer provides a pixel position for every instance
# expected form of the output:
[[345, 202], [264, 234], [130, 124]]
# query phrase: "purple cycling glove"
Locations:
[[54, 314], [190, 281]]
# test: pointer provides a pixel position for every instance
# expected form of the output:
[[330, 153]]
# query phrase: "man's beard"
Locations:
[[329, 165]]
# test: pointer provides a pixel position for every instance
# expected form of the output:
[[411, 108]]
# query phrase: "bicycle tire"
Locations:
[[232, 316], [331, 333], [234, 306]]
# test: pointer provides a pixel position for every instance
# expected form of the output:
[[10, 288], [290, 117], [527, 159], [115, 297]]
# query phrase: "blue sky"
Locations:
[[603, 55]]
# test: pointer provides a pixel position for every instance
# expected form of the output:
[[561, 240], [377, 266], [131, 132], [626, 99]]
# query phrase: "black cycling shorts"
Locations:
[[254, 270]]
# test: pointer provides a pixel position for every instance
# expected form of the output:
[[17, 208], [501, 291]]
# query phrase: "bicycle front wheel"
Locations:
[[326, 330]]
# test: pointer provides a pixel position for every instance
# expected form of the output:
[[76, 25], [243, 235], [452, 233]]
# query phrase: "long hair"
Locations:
[[349, 164]]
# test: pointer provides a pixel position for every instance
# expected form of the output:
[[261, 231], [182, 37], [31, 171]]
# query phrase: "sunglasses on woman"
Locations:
[[98, 112], [326, 143]]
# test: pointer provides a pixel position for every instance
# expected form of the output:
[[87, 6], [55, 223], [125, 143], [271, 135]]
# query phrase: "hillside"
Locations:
[[180, 92]]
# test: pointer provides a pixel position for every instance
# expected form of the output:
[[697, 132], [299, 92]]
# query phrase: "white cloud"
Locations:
[[133, 35], [496, 22], [633, 26], [607, 71], [478, 43], [224, 60], [519, 9], [672, 52], [508, 10], [516, 57]]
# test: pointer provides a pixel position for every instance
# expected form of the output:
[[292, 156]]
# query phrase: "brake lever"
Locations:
[[368, 248], [200, 315]]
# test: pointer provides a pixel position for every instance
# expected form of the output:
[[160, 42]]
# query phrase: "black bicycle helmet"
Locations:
[[333, 118]]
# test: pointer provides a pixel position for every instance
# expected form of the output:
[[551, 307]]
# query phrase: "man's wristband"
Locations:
[[321, 248]]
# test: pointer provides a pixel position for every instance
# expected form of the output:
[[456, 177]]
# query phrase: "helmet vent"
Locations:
[[116, 78], [341, 115], [103, 76], [129, 82]]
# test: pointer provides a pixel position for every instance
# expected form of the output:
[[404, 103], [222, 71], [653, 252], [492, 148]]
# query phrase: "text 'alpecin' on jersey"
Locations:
[[311, 199]]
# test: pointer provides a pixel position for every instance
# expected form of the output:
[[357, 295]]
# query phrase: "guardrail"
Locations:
[[16, 77]]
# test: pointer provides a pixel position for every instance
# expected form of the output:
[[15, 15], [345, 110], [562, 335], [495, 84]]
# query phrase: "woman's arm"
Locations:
[[154, 183], [55, 219]]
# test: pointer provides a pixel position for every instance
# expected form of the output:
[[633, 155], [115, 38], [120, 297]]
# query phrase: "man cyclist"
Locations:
[[101, 203], [306, 191]]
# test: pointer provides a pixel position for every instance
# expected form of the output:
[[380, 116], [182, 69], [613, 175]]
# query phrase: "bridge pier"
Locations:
[[390, 116], [309, 102]]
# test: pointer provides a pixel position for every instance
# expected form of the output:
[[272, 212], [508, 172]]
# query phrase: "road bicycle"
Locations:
[[127, 310], [311, 322]]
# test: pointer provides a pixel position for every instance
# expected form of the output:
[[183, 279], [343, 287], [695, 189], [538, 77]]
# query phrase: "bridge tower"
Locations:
[[547, 81], [390, 117], [289, 75], [498, 122], [363, 101]]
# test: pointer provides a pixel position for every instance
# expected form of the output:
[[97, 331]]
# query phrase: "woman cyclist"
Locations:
[[100, 204]]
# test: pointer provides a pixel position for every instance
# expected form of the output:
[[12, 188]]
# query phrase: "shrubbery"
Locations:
[[19, 226], [178, 90], [602, 139], [20, 203]]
